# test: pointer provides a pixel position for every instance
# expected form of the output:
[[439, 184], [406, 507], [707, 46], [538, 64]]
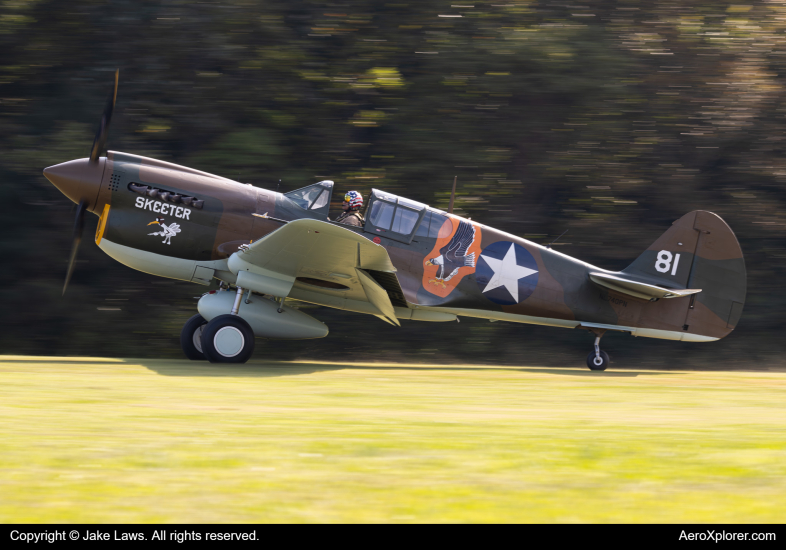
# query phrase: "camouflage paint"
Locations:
[[709, 254]]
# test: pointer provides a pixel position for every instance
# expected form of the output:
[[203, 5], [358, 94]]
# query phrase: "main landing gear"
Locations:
[[225, 339], [598, 359], [191, 338]]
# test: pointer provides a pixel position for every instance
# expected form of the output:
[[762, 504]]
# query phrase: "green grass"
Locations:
[[107, 440]]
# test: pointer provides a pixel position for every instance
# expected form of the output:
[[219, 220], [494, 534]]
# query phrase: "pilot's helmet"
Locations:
[[354, 199]]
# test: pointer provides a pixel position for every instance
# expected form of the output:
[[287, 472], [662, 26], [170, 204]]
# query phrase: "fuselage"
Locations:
[[176, 222]]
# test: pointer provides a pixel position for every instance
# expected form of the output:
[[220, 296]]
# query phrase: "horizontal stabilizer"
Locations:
[[637, 289]]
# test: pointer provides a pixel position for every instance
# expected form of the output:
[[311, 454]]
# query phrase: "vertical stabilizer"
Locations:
[[699, 251]]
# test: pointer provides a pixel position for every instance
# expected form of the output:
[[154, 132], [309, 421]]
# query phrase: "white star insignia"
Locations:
[[507, 273]]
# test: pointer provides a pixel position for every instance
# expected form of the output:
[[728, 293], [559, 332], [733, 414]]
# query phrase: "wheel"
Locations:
[[191, 338], [227, 339], [598, 363]]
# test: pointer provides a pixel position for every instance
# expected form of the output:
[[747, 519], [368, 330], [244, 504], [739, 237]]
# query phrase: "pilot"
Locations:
[[353, 202]]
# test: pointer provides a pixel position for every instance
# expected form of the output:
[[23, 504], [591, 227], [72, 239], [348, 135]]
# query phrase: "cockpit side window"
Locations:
[[431, 224], [423, 227], [437, 221], [404, 220], [382, 214]]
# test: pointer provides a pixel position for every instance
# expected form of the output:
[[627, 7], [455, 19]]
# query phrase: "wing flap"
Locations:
[[637, 289], [378, 296], [313, 249]]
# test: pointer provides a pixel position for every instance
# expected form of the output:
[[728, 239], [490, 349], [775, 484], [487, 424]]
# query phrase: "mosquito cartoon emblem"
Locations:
[[167, 231]]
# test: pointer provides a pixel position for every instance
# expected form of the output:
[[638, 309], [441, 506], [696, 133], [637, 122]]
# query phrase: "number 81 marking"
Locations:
[[663, 264]]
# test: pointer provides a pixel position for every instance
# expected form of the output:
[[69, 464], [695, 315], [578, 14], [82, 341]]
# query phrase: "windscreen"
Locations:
[[311, 197]]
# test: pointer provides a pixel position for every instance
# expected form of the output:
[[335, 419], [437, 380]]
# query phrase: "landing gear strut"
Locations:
[[598, 359]]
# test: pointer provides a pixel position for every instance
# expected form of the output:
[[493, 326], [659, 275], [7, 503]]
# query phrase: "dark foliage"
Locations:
[[610, 119]]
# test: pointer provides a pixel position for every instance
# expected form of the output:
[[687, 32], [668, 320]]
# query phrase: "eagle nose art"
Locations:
[[79, 180]]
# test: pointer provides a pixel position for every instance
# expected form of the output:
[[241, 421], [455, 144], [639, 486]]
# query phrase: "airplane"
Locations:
[[408, 261]]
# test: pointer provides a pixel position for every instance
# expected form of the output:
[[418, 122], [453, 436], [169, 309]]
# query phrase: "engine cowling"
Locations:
[[263, 316]]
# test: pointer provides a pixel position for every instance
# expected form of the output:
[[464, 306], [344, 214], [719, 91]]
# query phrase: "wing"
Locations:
[[174, 228], [461, 241], [320, 263]]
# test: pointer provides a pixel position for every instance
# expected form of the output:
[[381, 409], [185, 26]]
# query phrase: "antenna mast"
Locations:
[[555, 240], [452, 195]]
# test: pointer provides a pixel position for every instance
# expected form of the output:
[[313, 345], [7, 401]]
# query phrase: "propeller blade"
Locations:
[[99, 143], [79, 225]]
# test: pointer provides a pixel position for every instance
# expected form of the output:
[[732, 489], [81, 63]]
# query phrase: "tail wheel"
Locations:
[[191, 338], [598, 363], [227, 339]]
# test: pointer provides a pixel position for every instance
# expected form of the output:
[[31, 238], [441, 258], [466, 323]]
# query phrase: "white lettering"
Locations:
[[170, 209], [129, 536], [40, 536], [664, 261]]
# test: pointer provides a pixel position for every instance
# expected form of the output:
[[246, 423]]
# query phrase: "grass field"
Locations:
[[108, 440]]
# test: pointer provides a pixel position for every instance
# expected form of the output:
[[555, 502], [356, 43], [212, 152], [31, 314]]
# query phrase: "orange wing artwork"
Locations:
[[455, 255]]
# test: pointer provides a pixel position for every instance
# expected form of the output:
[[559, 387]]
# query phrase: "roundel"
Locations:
[[507, 273]]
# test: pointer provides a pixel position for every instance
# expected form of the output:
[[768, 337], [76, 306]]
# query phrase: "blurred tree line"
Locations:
[[607, 119]]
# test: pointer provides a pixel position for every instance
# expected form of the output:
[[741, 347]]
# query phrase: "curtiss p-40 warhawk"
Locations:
[[408, 261]]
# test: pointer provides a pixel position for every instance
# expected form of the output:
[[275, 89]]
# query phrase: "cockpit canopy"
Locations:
[[392, 216], [387, 215]]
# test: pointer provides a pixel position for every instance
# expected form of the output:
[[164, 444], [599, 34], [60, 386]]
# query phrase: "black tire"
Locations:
[[604, 361], [191, 338], [237, 344]]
